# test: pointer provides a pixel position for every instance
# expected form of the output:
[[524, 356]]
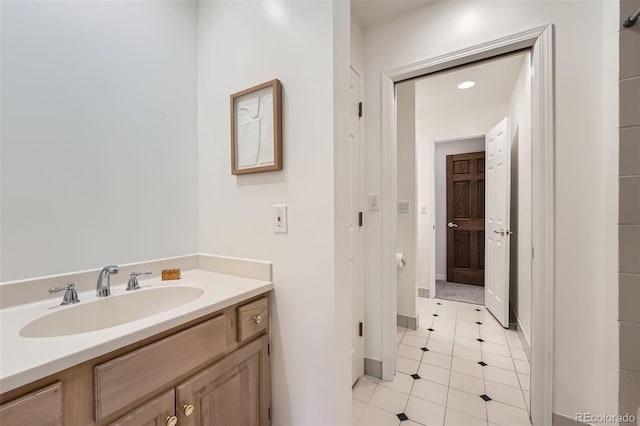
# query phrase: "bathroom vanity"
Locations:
[[205, 362]]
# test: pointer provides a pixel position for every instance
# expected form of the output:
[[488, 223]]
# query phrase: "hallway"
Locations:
[[450, 387]]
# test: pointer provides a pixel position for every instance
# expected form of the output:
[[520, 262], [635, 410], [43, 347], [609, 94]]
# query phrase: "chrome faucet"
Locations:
[[102, 289], [70, 294]]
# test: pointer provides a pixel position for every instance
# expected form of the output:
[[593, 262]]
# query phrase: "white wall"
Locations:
[[406, 184], [99, 149], [443, 149], [580, 268], [241, 44], [520, 259]]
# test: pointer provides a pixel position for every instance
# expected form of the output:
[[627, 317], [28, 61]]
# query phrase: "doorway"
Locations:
[[465, 147], [460, 363], [540, 41]]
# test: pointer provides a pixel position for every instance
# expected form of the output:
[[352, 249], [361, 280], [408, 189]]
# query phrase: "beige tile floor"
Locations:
[[449, 381]]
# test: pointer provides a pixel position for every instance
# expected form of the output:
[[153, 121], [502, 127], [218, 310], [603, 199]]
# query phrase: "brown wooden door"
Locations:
[[234, 391], [465, 218]]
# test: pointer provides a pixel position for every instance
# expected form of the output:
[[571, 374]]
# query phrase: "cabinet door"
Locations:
[[154, 413], [234, 391], [42, 408]]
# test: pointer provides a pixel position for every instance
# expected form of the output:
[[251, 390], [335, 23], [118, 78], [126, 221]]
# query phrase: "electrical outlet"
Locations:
[[374, 202], [404, 206], [280, 218]]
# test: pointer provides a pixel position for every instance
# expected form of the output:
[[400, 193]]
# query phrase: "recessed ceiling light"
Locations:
[[466, 85]]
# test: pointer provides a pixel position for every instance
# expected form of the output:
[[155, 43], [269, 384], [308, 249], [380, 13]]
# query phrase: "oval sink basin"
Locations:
[[110, 311]]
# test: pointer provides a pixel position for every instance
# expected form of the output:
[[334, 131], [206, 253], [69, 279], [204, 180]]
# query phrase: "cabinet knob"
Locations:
[[257, 319], [172, 421], [187, 409]]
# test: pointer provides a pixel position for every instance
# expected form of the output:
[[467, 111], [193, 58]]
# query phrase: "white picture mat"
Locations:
[[254, 129]]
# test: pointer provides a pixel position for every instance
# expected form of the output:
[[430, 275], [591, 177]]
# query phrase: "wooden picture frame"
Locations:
[[256, 129]]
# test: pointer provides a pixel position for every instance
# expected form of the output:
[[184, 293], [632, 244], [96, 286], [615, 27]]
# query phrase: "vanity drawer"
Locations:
[[253, 319], [130, 377], [42, 407]]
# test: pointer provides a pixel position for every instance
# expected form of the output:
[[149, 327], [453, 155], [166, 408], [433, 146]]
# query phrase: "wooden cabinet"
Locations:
[[42, 407], [210, 371], [234, 391]]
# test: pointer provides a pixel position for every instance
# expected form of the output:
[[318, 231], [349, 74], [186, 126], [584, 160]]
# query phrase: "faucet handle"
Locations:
[[70, 296], [133, 280]]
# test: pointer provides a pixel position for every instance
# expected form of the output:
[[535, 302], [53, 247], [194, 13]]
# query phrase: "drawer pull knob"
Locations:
[[257, 319], [172, 421], [188, 409]]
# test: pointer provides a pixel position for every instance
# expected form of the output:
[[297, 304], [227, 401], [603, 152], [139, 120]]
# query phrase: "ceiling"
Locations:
[[369, 12], [494, 83]]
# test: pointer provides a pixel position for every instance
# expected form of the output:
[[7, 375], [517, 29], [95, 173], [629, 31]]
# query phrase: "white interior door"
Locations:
[[498, 194], [357, 234]]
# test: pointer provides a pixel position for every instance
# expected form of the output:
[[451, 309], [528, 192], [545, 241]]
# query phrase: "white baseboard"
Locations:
[[373, 367], [441, 277], [524, 339]]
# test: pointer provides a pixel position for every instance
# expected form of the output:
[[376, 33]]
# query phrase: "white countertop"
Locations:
[[23, 360]]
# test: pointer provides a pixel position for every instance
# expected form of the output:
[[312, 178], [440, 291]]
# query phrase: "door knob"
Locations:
[[501, 232], [452, 225], [257, 319], [172, 421], [187, 409]]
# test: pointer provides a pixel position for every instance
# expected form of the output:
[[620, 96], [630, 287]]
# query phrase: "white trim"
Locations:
[[362, 202], [541, 40], [440, 277], [478, 52], [524, 339], [542, 227], [389, 217]]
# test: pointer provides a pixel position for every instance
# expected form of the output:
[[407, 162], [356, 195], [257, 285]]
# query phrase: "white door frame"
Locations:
[[543, 188], [360, 201]]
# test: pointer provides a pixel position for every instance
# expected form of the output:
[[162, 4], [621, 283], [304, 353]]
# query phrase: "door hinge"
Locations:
[[269, 414], [360, 329], [359, 109], [532, 253], [360, 218], [269, 349]]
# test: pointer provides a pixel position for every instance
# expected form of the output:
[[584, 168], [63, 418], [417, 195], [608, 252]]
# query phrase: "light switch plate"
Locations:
[[404, 206], [280, 218], [374, 202]]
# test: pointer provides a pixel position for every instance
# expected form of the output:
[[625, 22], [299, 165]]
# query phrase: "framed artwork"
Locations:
[[256, 129]]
